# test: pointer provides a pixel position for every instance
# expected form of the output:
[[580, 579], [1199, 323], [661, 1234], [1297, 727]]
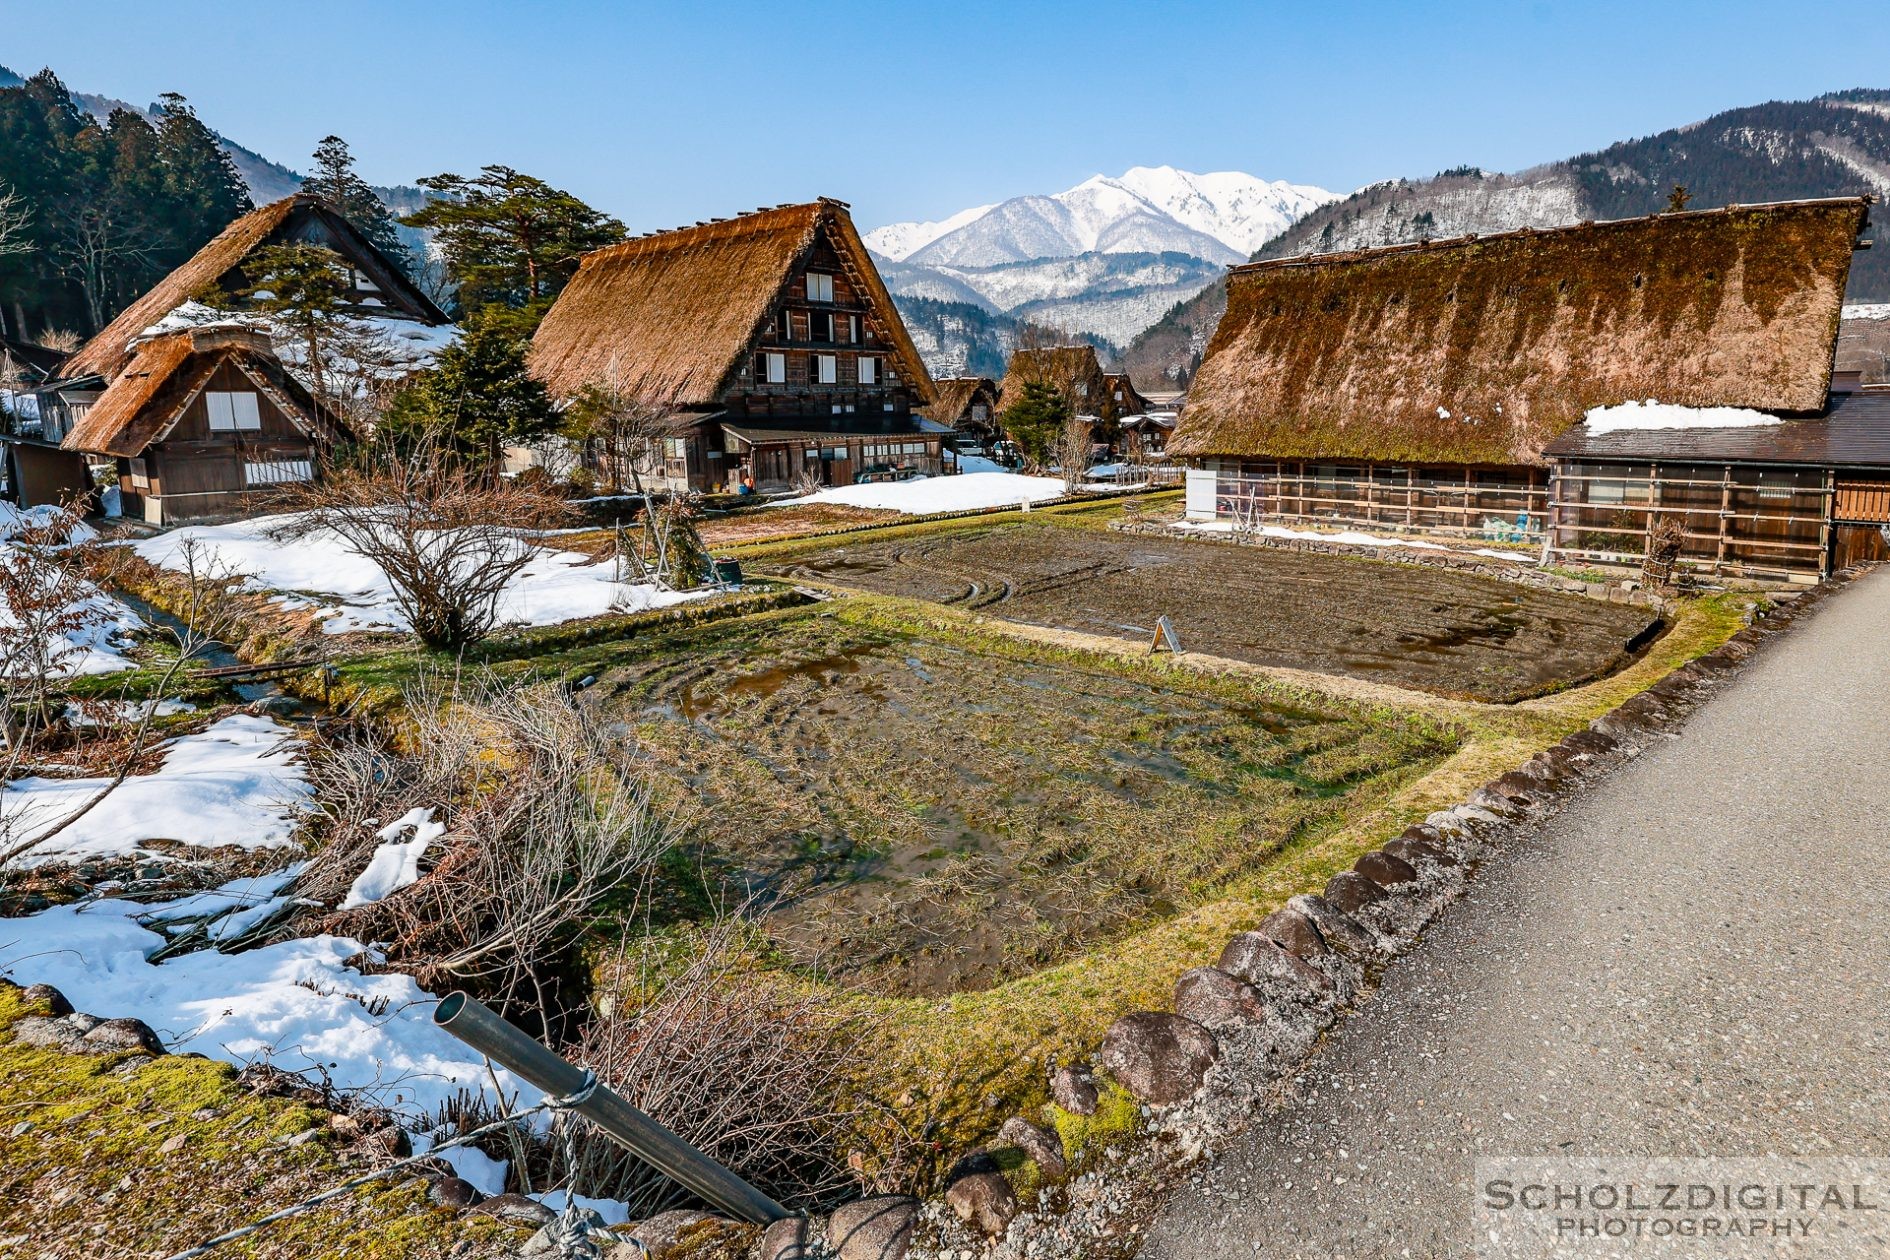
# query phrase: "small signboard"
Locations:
[[1165, 638]]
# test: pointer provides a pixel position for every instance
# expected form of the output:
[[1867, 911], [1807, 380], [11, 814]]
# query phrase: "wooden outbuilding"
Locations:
[[1424, 386], [966, 404], [769, 338]]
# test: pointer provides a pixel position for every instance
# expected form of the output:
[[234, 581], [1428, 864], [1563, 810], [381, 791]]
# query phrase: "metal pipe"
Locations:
[[481, 1028]]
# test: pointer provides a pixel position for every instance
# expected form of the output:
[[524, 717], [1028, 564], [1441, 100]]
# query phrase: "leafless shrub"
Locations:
[[621, 435], [545, 816], [1073, 445], [449, 539]]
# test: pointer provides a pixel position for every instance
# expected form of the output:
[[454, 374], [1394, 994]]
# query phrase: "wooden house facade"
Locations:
[[769, 337], [150, 371], [1425, 387]]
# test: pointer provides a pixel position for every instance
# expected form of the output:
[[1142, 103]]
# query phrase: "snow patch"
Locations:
[[1635, 416], [396, 863], [963, 493]]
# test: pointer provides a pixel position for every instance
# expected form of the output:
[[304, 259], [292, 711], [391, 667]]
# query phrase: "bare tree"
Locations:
[[1073, 446], [449, 539], [622, 435], [16, 216]]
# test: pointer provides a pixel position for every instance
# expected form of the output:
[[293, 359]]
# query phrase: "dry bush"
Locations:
[[450, 539], [546, 816]]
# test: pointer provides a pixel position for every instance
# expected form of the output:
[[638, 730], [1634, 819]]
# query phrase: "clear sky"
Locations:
[[666, 113]]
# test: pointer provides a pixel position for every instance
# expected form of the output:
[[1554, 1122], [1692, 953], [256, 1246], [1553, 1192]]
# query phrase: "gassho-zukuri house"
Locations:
[[1568, 386], [189, 409], [770, 339]]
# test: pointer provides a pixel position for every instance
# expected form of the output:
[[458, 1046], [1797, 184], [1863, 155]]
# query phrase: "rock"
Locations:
[[1415, 852], [1160, 1058], [1044, 1148], [660, 1234], [274, 706], [1522, 787], [560, 1231], [1274, 970], [52, 999], [515, 1207], [173, 1144], [1074, 1090], [1590, 743], [1295, 933], [1426, 834], [985, 1201], [1497, 803], [452, 1192], [1352, 892], [1386, 871], [1212, 998], [1342, 934], [873, 1229], [49, 1033], [786, 1239], [123, 1034], [391, 1141]]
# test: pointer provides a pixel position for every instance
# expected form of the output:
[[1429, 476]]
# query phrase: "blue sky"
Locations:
[[666, 113]]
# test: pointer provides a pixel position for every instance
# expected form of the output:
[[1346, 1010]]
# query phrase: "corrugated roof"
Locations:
[[1853, 433], [1482, 350], [668, 318]]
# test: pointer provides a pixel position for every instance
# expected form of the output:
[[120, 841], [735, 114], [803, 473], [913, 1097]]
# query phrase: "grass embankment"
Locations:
[[105, 1159]]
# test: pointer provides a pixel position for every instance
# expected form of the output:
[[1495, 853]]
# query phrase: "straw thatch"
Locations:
[[952, 399], [1482, 350], [669, 318], [301, 217], [1132, 402], [166, 373], [1073, 371]]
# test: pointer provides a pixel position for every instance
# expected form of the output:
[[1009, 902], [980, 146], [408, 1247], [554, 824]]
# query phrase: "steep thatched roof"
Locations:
[[953, 396], [1060, 367], [165, 373], [299, 217], [667, 318], [1482, 350]]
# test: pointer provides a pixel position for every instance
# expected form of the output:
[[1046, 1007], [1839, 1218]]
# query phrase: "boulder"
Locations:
[[1044, 1148], [985, 1201], [123, 1034], [1426, 834], [452, 1192], [515, 1207], [1295, 933], [1074, 1090], [1352, 892], [49, 1033], [1386, 871], [660, 1234], [786, 1239], [873, 1229], [1212, 998], [1590, 743], [1413, 851], [1158, 1057], [1342, 934], [52, 999], [1274, 970]]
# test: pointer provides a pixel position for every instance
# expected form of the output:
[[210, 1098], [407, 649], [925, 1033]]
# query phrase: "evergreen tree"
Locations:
[[477, 398], [336, 183], [510, 239], [201, 178], [1036, 420], [301, 288]]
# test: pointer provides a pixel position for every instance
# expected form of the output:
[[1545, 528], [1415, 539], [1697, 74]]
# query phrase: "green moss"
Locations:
[[1117, 1117]]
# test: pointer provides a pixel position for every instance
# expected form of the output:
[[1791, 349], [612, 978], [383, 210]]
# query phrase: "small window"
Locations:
[[826, 369], [820, 326], [275, 472], [819, 287], [232, 411], [853, 328], [978, 413], [676, 448], [774, 368], [140, 475], [869, 370]]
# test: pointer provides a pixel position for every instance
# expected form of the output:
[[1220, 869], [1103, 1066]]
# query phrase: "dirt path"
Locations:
[[1688, 962], [1442, 631]]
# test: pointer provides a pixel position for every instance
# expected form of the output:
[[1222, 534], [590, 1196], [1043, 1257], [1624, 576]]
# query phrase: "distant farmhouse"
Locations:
[[968, 404], [1073, 371], [770, 337], [1447, 386], [191, 405], [1124, 398]]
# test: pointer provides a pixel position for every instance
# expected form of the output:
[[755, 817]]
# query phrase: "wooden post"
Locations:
[[1725, 514]]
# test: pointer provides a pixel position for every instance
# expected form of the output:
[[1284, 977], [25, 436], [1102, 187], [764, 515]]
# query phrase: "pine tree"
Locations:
[[336, 183], [508, 238], [302, 288], [1036, 420], [1678, 198], [200, 177], [478, 398]]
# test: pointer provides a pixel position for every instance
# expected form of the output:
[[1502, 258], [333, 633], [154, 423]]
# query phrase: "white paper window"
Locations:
[[275, 472], [231, 411], [819, 287], [826, 369], [140, 475], [776, 368], [869, 370]]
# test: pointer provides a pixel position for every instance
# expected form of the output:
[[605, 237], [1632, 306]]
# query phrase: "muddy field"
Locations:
[[759, 524], [1445, 632], [931, 813]]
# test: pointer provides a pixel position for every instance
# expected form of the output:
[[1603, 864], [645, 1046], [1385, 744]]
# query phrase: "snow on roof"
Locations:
[[1867, 310], [1659, 415]]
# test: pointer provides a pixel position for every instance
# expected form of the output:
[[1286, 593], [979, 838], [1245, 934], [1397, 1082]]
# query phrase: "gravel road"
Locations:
[[1689, 960]]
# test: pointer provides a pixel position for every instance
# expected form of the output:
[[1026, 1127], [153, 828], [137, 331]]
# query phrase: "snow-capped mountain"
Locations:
[[1222, 216], [1106, 257]]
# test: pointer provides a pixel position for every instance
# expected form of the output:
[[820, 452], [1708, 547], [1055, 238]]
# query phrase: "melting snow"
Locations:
[[396, 863], [966, 492], [1658, 415]]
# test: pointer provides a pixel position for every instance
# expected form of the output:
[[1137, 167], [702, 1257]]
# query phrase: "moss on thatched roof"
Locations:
[[668, 318], [163, 375], [108, 352], [1482, 350]]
